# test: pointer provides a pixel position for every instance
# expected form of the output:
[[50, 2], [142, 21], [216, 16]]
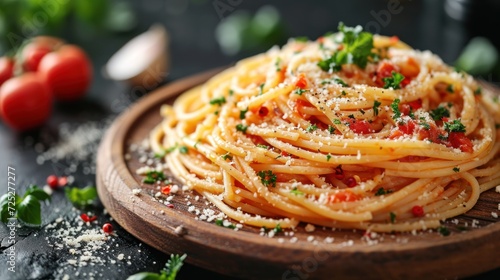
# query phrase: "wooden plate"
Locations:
[[245, 253]]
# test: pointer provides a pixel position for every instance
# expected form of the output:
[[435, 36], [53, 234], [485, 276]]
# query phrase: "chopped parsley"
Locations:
[[299, 91], [450, 89], [343, 93], [331, 129], [456, 169], [277, 64], [171, 149], [382, 191], [267, 177], [454, 126], [328, 157], [242, 128], [337, 121], [357, 48], [495, 99], [220, 222], [438, 113], [277, 228], [444, 231], [394, 81], [242, 113], [340, 82], [351, 116], [395, 109], [376, 104], [312, 128], [183, 150], [424, 123], [261, 89], [263, 146], [392, 216], [218, 101], [231, 92], [295, 191], [153, 176], [160, 154], [226, 156], [478, 91]]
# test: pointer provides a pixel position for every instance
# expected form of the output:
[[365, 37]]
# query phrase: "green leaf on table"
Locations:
[[170, 271], [479, 57], [29, 210], [146, 276], [81, 197], [36, 192]]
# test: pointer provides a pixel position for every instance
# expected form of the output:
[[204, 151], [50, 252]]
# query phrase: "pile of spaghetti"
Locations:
[[352, 130]]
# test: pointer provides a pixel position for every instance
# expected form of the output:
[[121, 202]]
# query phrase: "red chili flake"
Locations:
[[170, 205], [339, 173], [351, 182], [263, 111], [166, 189], [285, 154], [86, 218], [417, 211], [107, 228], [63, 181], [52, 181]]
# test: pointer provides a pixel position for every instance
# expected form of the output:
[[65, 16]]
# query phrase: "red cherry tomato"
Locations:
[[68, 72], [6, 68], [25, 101], [36, 49]]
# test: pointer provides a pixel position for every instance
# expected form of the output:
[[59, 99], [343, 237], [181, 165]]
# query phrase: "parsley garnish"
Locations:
[[261, 89], [183, 150], [331, 129], [395, 109], [340, 82], [454, 126], [277, 228], [357, 47], [226, 156], [295, 191], [170, 271], [444, 231], [242, 128], [438, 113], [218, 101], [299, 91], [478, 91], [351, 116], [337, 121], [376, 104], [394, 81], [160, 154], [382, 191], [450, 89], [81, 197], [171, 149], [242, 113], [392, 216], [456, 169], [153, 176], [220, 223], [424, 123], [231, 92], [343, 93], [277, 64], [263, 146], [267, 177], [26, 208], [312, 128], [328, 157]]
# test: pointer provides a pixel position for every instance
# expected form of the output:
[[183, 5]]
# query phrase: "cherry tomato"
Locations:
[[36, 49], [68, 72], [6, 68], [25, 101]]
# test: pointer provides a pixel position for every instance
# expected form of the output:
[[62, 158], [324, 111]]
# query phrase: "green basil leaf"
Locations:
[[29, 211], [81, 197], [37, 192]]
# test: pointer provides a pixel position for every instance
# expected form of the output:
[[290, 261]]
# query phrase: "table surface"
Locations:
[[191, 25]]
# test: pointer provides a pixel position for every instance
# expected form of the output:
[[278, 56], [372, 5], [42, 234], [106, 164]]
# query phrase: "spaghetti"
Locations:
[[352, 130]]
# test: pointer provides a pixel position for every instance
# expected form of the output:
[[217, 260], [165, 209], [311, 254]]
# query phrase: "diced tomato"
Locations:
[[394, 40], [321, 40], [408, 127], [431, 134], [417, 211], [360, 127], [166, 190], [301, 82], [343, 196], [461, 141], [396, 134], [416, 104]]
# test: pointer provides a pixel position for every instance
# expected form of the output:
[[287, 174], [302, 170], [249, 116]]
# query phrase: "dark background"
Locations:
[[193, 48]]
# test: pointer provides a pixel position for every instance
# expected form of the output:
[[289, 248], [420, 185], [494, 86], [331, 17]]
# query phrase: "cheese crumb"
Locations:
[[310, 228], [120, 257], [494, 215]]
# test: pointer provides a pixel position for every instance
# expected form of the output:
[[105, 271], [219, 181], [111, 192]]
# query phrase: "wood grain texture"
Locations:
[[246, 254]]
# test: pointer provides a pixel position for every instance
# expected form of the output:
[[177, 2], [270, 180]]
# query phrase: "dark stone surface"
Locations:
[[422, 24]]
